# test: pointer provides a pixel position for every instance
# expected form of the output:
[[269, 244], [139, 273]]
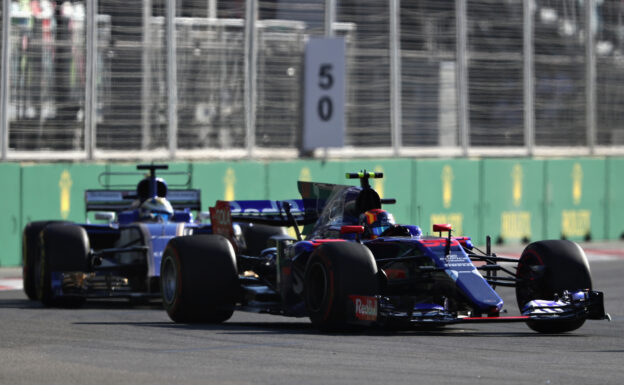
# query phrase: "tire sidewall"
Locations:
[[565, 268], [349, 268], [31, 253], [171, 258], [320, 311], [206, 279]]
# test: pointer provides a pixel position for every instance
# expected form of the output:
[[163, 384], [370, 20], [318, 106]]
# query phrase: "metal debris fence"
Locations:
[[108, 79]]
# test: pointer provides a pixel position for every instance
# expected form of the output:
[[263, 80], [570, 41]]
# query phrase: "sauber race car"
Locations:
[[64, 263], [357, 267]]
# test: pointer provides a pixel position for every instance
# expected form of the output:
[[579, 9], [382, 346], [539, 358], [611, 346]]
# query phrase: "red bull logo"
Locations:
[[365, 307]]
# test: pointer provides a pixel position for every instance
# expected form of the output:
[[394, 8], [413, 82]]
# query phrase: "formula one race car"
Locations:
[[64, 263], [357, 267]]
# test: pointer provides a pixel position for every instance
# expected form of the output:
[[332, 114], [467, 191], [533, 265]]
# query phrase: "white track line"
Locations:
[[11, 284]]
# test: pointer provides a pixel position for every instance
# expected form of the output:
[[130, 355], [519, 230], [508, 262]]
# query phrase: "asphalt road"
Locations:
[[114, 343]]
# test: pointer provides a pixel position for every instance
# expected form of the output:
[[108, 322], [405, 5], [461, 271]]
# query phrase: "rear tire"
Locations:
[[257, 237], [65, 248], [199, 279], [547, 268], [333, 272], [31, 251]]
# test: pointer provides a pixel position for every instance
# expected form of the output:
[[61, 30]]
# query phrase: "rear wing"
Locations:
[[121, 200], [271, 212]]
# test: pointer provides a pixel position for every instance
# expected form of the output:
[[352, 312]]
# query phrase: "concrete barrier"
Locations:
[[513, 200]]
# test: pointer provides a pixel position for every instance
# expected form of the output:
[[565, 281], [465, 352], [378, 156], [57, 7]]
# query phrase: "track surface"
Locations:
[[114, 343]]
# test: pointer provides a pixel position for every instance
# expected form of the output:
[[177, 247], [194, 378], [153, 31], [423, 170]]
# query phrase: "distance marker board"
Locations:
[[324, 98]]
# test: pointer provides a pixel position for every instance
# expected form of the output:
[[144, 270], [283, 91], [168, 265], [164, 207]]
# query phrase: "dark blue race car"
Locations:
[[64, 263], [357, 267]]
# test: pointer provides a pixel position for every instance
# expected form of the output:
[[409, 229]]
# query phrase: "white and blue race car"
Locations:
[[65, 263]]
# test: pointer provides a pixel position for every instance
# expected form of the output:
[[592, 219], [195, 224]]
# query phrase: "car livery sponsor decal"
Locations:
[[265, 207], [438, 242], [455, 261], [221, 220], [365, 307]]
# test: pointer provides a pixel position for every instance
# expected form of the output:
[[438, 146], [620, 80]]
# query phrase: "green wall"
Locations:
[[229, 181], [575, 198], [513, 200], [278, 173], [56, 191], [615, 199], [11, 219], [447, 191]]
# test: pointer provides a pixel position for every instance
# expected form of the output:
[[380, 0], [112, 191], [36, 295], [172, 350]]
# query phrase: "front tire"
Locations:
[[546, 269], [31, 252], [65, 248], [199, 279], [333, 272]]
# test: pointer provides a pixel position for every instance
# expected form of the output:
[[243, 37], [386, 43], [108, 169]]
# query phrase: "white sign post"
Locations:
[[324, 112]]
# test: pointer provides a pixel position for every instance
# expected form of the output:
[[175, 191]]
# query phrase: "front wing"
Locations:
[[95, 285], [378, 309]]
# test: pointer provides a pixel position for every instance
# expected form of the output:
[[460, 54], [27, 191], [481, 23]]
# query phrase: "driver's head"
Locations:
[[157, 208], [375, 222]]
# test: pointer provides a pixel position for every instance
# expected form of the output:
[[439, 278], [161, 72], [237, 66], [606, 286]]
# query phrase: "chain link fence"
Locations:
[[223, 79]]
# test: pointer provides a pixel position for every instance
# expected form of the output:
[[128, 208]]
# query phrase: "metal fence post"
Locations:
[[212, 9], [529, 73], [395, 76], [462, 75], [330, 17], [4, 77], [590, 75], [90, 83], [146, 94], [251, 62], [172, 92]]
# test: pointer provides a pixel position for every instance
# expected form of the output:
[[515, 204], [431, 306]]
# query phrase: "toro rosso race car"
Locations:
[[357, 267], [64, 263]]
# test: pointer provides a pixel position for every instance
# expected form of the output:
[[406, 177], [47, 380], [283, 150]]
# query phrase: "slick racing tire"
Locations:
[[546, 269], [199, 279], [334, 271], [31, 250], [65, 248], [257, 236]]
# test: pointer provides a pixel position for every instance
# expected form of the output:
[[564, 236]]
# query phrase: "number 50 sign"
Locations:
[[323, 123]]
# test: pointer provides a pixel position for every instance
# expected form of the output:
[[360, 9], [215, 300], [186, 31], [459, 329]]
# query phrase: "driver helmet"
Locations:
[[157, 208], [375, 222]]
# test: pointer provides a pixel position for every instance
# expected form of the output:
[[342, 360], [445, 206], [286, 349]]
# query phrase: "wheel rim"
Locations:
[[317, 287], [169, 280]]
